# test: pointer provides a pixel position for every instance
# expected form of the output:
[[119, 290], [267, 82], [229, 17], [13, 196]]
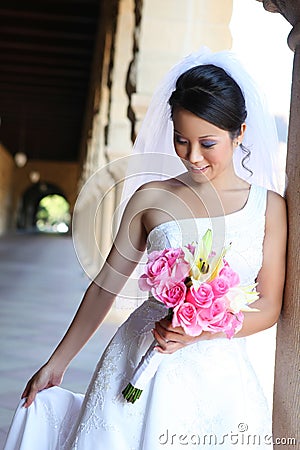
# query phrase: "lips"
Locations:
[[199, 169]]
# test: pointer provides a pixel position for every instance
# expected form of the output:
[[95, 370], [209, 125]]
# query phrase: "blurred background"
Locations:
[[76, 77]]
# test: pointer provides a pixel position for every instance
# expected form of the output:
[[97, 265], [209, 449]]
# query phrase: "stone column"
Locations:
[[119, 127], [287, 382], [7, 168], [108, 139], [171, 30]]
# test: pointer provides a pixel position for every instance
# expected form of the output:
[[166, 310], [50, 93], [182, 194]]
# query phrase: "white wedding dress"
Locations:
[[205, 395]]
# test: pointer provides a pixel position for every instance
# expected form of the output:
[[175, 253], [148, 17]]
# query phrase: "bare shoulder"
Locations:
[[276, 209], [146, 196], [153, 185], [275, 203], [153, 190]]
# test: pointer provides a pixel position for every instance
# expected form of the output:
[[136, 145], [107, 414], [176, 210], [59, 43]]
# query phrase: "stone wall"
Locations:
[[171, 30], [148, 37], [6, 180]]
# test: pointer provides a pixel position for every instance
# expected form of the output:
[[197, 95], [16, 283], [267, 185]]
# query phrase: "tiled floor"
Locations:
[[41, 284]]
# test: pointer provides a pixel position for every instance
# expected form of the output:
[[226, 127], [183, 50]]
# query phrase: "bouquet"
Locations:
[[202, 292]]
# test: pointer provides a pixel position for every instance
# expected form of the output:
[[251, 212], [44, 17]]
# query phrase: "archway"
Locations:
[[30, 204], [53, 215]]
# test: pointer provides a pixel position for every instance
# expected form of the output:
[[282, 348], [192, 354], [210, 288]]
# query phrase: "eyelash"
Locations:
[[180, 141], [206, 145]]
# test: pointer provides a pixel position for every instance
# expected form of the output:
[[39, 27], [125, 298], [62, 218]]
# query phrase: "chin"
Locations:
[[200, 177]]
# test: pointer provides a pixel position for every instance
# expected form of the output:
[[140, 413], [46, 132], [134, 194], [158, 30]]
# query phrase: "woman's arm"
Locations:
[[272, 273], [125, 253], [270, 285]]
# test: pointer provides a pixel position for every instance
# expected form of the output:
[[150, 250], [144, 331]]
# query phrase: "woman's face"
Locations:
[[205, 149]]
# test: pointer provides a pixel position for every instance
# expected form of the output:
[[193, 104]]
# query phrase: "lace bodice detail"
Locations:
[[242, 230]]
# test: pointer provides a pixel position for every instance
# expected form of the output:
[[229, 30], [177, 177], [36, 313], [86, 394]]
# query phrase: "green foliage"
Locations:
[[53, 210]]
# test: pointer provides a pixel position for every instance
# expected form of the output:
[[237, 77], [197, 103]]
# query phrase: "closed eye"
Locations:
[[180, 141], [208, 144]]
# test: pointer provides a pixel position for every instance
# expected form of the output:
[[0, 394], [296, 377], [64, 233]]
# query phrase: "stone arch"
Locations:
[[26, 219]]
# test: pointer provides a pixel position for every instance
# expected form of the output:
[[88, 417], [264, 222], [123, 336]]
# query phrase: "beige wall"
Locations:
[[150, 37], [171, 30], [62, 174], [6, 180]]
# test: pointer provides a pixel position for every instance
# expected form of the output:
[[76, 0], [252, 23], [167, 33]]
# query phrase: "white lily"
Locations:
[[240, 297], [204, 263]]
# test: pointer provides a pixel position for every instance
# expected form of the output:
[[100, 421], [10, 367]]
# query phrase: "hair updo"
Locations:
[[211, 94]]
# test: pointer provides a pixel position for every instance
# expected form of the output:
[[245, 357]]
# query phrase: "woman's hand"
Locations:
[[44, 378], [171, 339]]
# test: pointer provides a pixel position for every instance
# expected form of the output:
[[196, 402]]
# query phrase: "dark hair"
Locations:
[[211, 94]]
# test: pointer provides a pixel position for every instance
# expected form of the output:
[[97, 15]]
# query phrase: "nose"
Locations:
[[195, 154]]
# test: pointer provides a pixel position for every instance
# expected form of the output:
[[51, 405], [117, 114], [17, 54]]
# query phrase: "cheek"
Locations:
[[219, 155], [214, 157], [180, 150]]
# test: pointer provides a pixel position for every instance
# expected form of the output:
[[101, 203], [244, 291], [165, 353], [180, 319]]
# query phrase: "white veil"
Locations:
[[154, 157]]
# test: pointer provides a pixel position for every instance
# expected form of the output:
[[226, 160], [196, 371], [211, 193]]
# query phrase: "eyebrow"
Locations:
[[200, 137]]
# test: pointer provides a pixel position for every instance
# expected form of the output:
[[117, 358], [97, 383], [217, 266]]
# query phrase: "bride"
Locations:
[[207, 115]]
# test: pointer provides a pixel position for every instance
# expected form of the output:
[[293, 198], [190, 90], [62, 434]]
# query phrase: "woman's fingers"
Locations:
[[25, 392], [168, 333], [168, 341], [27, 388], [30, 398], [167, 325], [165, 346], [171, 339], [42, 379]]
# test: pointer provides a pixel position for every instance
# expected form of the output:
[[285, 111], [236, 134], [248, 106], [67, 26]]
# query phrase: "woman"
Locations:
[[204, 392]]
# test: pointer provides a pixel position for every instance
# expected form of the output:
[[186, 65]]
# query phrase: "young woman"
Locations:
[[205, 392]]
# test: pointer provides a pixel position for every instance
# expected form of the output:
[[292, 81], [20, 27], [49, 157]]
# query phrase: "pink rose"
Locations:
[[218, 319], [169, 293], [212, 319], [231, 276], [185, 316], [180, 271], [235, 323], [144, 283], [172, 254], [202, 297], [163, 265], [220, 286], [157, 268]]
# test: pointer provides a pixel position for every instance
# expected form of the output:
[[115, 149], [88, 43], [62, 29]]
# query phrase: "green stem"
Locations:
[[131, 394]]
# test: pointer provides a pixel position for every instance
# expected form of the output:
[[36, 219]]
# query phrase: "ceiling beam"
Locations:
[[39, 47], [60, 91], [43, 60], [50, 17], [42, 33], [27, 80], [44, 71], [46, 50]]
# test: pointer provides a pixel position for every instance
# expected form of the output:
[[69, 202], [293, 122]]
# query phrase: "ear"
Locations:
[[242, 132], [239, 138]]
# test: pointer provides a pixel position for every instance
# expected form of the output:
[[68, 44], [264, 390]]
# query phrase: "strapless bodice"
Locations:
[[243, 231]]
